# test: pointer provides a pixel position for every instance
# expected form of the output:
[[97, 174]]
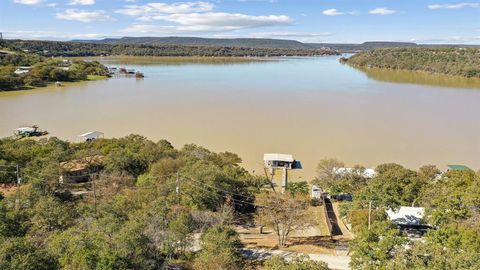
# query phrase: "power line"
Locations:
[[232, 193], [225, 196]]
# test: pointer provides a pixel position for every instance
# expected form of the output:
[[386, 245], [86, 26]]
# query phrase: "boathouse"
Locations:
[[278, 167], [90, 136]]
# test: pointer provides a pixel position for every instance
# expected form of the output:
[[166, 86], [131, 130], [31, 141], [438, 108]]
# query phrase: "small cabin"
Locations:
[[80, 170], [90, 136]]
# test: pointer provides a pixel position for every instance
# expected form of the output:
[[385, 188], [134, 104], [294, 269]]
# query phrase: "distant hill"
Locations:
[[265, 43], [195, 41], [372, 45]]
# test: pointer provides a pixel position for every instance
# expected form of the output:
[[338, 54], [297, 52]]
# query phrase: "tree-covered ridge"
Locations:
[[197, 41], [57, 48], [456, 62]]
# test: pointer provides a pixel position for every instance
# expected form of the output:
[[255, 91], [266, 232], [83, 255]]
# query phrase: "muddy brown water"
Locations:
[[310, 107]]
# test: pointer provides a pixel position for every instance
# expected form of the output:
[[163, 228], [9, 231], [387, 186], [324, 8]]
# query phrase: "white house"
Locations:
[[90, 136], [409, 220], [22, 70], [367, 173], [406, 215]]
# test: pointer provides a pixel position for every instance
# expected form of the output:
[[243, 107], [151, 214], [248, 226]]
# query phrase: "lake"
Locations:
[[312, 108]]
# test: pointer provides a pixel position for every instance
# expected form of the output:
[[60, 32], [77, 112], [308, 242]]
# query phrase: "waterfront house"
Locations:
[[409, 220], [367, 173], [458, 168], [22, 70], [80, 170]]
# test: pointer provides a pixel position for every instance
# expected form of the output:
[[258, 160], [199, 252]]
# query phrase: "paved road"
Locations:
[[339, 262]]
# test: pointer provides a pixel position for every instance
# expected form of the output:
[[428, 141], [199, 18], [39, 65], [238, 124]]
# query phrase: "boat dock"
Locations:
[[122, 71]]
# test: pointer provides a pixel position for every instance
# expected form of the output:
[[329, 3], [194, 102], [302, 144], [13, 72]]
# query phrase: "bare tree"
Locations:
[[326, 168], [284, 214]]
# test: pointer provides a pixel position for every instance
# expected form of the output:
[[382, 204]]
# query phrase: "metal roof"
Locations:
[[406, 215], [26, 129], [92, 134], [278, 157], [458, 167], [368, 173]]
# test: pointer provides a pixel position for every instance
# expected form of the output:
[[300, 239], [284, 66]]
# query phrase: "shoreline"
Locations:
[[413, 71], [90, 78]]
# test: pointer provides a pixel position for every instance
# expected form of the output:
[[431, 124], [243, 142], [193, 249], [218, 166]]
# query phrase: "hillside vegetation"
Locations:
[[146, 206], [56, 48], [268, 43], [456, 62], [219, 42]]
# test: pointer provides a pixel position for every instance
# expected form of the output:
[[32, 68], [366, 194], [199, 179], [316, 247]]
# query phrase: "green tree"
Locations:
[[50, 215], [220, 249], [297, 263], [373, 249], [300, 188], [393, 186], [19, 254]]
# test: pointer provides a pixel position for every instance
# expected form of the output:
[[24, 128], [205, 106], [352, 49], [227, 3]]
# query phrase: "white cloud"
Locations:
[[152, 9], [454, 6], [269, 1], [332, 12], [221, 19], [335, 12], [82, 2], [193, 17], [48, 35], [208, 22], [382, 11], [28, 2], [300, 36], [449, 40], [83, 16], [52, 5]]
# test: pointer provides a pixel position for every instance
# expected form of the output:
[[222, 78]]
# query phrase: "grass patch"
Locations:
[[317, 211]]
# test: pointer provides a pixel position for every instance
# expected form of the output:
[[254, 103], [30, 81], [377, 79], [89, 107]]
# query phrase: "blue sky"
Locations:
[[421, 21]]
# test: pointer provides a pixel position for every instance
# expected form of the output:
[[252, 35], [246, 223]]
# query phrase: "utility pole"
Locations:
[[94, 195], [17, 173], [369, 214], [177, 188]]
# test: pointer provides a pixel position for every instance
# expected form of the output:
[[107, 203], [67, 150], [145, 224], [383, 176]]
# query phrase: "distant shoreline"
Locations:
[[462, 63]]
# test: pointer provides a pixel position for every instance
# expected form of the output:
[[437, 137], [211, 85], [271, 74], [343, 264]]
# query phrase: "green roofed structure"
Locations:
[[458, 168]]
